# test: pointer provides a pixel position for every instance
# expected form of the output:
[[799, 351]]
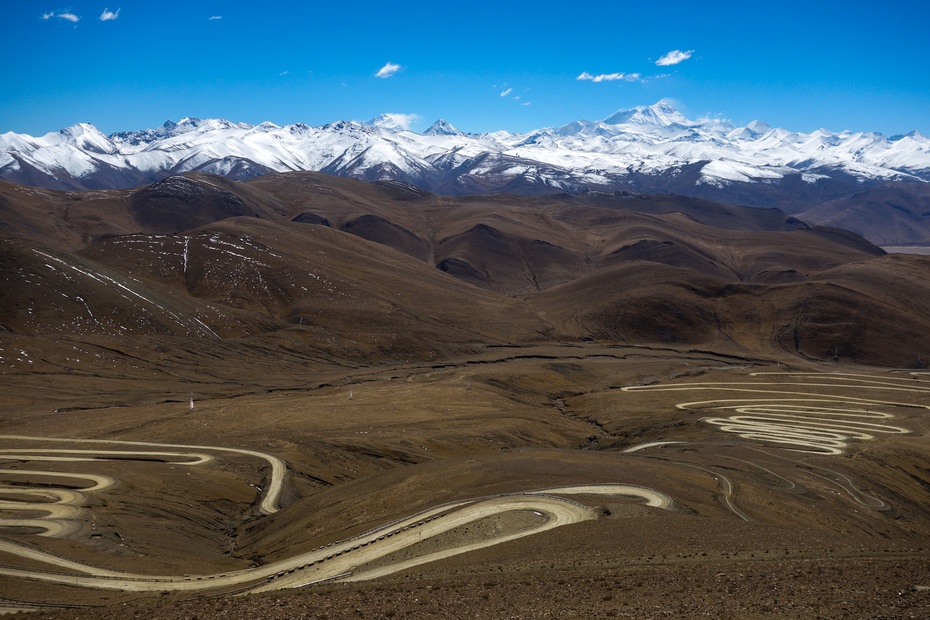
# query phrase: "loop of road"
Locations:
[[269, 503], [809, 422], [338, 561], [60, 507]]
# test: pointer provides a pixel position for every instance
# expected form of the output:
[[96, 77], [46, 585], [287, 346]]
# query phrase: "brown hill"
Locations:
[[182, 202], [74, 219], [896, 213], [625, 268]]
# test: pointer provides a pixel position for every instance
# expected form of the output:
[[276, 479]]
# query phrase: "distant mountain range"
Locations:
[[646, 149]]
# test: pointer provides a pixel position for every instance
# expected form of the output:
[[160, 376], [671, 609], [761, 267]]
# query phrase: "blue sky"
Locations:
[[483, 66]]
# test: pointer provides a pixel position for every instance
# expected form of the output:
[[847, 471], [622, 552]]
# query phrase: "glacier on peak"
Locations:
[[659, 114], [86, 137], [442, 127]]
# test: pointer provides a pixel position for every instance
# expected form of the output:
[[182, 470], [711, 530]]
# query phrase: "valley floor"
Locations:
[[578, 480]]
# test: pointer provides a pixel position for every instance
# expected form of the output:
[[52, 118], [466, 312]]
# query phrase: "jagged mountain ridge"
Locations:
[[649, 148]]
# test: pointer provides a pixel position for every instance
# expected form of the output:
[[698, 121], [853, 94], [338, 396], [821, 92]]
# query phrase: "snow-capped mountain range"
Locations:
[[648, 148]]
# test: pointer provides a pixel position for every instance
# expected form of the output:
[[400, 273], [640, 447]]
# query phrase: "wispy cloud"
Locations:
[[213, 18], [388, 70], [611, 77], [507, 92], [404, 121], [108, 15], [65, 15], [674, 57], [283, 73]]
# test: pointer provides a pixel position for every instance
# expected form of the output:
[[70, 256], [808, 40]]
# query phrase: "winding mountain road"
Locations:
[[818, 423], [802, 421], [269, 503], [339, 561]]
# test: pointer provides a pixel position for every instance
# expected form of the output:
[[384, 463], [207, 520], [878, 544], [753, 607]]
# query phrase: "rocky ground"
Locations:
[[877, 588]]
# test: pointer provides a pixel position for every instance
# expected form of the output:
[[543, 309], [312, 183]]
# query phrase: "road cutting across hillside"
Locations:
[[269, 503], [60, 506], [810, 422], [339, 560]]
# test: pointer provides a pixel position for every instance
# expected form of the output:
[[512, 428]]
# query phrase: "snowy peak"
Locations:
[[442, 127], [171, 129], [187, 125], [758, 127], [78, 130], [87, 138], [660, 115], [914, 135], [752, 131]]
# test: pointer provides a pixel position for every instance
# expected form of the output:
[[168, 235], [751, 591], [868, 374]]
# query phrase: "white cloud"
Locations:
[[108, 15], [214, 17], [611, 77], [506, 92], [65, 15], [388, 70], [283, 73], [527, 103], [402, 120], [674, 57]]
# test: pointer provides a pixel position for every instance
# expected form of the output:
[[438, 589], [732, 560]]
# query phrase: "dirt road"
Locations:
[[340, 560]]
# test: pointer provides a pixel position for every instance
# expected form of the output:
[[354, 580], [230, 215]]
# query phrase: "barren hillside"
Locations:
[[363, 400]]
